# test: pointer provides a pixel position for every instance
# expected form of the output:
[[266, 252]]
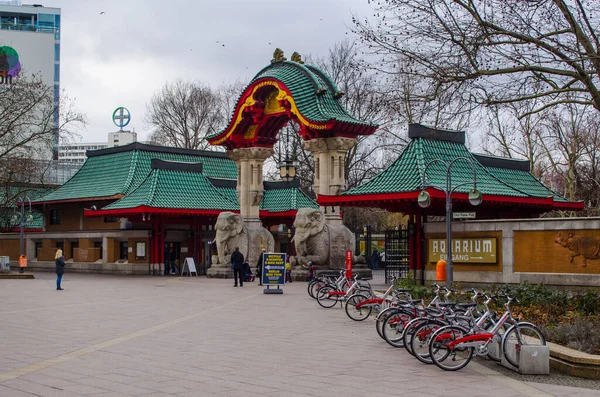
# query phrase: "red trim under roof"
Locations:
[[151, 210], [362, 199], [284, 214]]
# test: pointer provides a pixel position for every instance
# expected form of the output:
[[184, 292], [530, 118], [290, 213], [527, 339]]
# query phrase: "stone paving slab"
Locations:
[[113, 336]]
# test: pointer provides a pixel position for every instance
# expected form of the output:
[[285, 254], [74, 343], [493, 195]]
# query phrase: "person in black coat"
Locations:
[[259, 266], [237, 262], [60, 268]]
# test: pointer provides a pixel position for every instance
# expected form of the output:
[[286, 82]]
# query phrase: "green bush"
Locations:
[[588, 303]]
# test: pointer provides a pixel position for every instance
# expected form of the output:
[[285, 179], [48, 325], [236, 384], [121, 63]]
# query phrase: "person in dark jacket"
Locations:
[[60, 268], [237, 262], [259, 266]]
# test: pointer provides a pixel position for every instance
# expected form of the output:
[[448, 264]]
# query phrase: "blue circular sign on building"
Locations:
[[121, 117]]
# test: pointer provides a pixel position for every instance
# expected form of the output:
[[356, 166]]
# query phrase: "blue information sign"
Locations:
[[273, 271]]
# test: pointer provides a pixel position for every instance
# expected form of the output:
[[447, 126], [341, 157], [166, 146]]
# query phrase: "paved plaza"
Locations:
[[110, 336]]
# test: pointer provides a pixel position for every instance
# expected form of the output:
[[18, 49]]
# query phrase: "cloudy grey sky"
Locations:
[[121, 57]]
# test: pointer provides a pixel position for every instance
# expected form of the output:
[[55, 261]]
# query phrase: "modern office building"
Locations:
[[30, 43], [76, 152]]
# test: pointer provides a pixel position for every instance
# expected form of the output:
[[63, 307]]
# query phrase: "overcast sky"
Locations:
[[121, 57]]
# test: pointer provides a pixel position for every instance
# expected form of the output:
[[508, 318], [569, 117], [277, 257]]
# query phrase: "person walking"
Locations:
[[375, 259], [59, 260], [259, 266], [237, 262]]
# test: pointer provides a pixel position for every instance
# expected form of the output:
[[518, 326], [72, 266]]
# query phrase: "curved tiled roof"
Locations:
[[315, 94], [496, 177], [406, 173], [119, 171], [285, 196], [176, 189]]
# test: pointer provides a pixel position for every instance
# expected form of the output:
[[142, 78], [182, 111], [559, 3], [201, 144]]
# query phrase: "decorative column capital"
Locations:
[[250, 153], [319, 145]]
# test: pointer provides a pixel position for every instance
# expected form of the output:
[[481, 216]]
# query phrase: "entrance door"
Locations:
[[123, 250], [177, 249]]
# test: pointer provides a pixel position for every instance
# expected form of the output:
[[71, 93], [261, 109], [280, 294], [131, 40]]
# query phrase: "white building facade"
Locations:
[[30, 43], [76, 152]]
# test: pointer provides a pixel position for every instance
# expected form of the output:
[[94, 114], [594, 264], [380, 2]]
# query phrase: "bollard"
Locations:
[[440, 270]]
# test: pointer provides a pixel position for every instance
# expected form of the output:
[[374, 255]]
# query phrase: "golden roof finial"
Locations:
[[278, 56], [297, 58]]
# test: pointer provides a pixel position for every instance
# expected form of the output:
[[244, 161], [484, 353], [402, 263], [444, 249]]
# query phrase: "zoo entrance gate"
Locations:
[[397, 250]]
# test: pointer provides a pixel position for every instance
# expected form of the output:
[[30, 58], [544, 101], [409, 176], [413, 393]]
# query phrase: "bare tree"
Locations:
[[28, 136], [500, 51], [27, 118], [366, 99], [516, 137], [183, 113]]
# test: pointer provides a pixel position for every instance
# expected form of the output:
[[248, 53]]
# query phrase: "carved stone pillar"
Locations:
[[330, 178], [250, 191]]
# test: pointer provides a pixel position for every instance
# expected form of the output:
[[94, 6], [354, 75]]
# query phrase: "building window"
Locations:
[[110, 219], [55, 217], [56, 72], [56, 52]]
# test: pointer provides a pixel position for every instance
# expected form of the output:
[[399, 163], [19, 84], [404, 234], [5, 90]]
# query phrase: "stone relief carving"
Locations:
[[587, 247], [231, 232], [315, 241]]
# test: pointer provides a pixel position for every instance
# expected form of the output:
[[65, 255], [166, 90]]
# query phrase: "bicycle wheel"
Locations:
[[309, 287], [420, 339], [393, 327], [381, 317], [409, 330], [315, 287], [446, 354], [520, 334], [324, 299], [357, 313]]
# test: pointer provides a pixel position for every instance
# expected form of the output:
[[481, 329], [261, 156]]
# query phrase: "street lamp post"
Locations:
[[424, 200], [19, 217]]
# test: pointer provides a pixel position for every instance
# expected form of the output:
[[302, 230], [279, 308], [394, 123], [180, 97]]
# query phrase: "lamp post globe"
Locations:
[[424, 199], [475, 197]]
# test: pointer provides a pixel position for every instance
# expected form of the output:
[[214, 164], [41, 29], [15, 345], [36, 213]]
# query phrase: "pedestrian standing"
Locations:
[[259, 266], [59, 260], [170, 262], [375, 259], [237, 262], [310, 275]]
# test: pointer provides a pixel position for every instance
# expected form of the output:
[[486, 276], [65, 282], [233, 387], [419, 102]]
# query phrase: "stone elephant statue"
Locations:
[[324, 245], [231, 232]]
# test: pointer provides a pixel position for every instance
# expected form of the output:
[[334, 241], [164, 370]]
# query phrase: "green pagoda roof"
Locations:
[[316, 97], [175, 185], [114, 172], [284, 197], [500, 180], [516, 173], [315, 94]]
